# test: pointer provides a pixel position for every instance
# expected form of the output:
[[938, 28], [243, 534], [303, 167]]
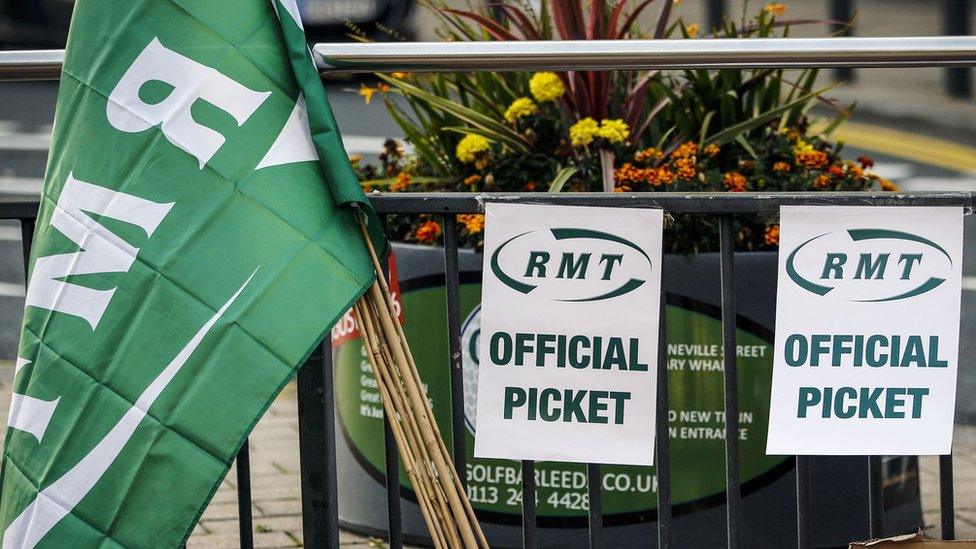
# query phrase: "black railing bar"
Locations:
[[331, 477], [528, 505], [662, 435], [946, 498], [594, 494], [391, 461], [244, 521], [701, 203], [392, 472], [804, 504], [732, 489], [875, 497], [27, 240], [453, 291], [317, 481]]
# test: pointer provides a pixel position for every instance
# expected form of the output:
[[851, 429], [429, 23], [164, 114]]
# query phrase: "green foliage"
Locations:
[[679, 131]]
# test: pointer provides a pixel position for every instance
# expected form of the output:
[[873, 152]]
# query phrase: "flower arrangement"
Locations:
[[626, 131]]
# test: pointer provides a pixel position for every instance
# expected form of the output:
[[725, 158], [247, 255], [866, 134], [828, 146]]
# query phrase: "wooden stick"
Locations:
[[389, 329]]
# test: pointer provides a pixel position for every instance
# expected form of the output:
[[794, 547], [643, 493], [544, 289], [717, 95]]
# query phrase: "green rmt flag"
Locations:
[[191, 249]]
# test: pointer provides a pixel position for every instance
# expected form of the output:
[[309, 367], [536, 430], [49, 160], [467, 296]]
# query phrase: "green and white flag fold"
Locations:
[[191, 249]]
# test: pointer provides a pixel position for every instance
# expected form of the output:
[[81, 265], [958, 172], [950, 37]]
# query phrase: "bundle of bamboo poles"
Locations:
[[443, 502]]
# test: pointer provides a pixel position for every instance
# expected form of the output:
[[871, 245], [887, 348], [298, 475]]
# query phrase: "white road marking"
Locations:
[[9, 289], [25, 141], [938, 184], [894, 171], [9, 233], [969, 283], [21, 185]]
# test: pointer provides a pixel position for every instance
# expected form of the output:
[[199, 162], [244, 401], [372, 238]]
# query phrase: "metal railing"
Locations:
[[316, 410]]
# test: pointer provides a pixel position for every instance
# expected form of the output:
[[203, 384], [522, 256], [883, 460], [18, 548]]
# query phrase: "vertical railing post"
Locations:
[[804, 504], [947, 509], [452, 286], [715, 13], [316, 446], [391, 461], [27, 240], [663, 461], [528, 505], [955, 22], [595, 495], [244, 516], [841, 12], [875, 497], [732, 489]]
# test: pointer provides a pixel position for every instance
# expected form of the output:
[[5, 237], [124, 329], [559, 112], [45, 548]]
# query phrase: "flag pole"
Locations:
[[443, 501]]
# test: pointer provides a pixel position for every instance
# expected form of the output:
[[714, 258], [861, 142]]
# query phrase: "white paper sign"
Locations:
[[569, 334], [867, 331]]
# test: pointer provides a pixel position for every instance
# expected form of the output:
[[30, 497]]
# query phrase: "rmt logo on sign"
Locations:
[[869, 265], [571, 264]]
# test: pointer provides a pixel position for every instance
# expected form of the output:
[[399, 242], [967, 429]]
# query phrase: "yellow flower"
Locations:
[[469, 148], [546, 86], [400, 75], [778, 9], [614, 131], [523, 106], [801, 146], [473, 223], [355, 159], [367, 92], [583, 132], [692, 30]]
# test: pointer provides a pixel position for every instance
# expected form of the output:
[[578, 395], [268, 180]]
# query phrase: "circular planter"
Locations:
[[695, 381]]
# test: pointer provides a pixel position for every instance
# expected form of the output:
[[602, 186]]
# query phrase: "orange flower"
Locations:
[[428, 231], [812, 159], [685, 150], [473, 223], [401, 184], [836, 171], [647, 154], [686, 168], [711, 150], [472, 180], [888, 185], [778, 9], [628, 173], [530, 186], [659, 176], [772, 235], [734, 182], [866, 161], [781, 167], [822, 181], [621, 189], [854, 170]]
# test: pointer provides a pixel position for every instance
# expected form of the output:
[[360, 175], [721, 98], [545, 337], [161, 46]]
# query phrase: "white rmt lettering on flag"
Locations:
[[191, 81], [102, 251]]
